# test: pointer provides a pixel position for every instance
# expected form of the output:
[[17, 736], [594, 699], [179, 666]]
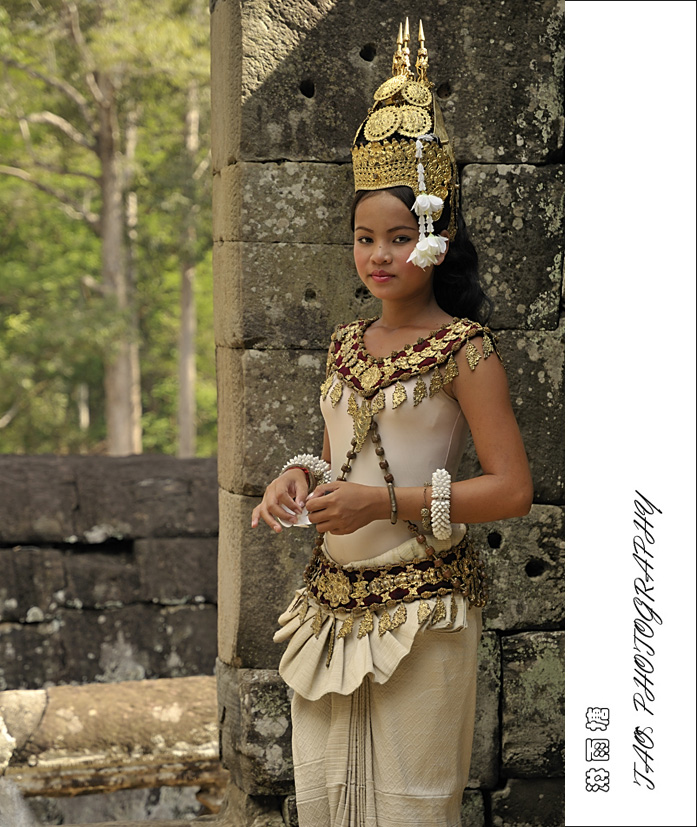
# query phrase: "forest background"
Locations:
[[106, 302]]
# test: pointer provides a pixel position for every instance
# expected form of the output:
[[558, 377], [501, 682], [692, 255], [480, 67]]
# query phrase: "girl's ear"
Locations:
[[446, 235]]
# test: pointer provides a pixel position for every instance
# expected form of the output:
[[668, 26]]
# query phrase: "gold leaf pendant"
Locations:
[[366, 625]]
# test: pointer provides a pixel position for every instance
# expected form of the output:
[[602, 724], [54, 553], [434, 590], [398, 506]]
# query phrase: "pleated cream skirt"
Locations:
[[392, 754], [382, 736]]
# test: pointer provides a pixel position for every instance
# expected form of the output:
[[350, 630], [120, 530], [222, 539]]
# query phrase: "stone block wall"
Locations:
[[107, 574], [107, 569], [291, 81]]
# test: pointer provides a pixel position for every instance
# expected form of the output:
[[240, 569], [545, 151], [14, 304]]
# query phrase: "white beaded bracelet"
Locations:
[[319, 468], [440, 504]]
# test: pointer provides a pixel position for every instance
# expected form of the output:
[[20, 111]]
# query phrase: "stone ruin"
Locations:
[[291, 80], [92, 597]]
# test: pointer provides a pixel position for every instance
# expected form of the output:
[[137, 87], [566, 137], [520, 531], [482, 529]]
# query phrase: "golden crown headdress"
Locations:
[[403, 142]]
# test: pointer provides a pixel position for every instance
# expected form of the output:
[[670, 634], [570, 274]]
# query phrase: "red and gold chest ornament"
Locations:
[[349, 365]]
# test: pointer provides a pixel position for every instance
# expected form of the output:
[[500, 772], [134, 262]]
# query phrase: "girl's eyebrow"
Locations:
[[391, 230]]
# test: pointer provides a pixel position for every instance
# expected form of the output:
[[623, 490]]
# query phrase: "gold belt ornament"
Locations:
[[455, 570], [367, 591]]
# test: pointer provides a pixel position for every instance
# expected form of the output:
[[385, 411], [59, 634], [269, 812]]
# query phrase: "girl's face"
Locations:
[[385, 234]]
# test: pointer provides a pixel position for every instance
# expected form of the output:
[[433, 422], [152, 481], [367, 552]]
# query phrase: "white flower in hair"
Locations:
[[425, 204], [427, 251]]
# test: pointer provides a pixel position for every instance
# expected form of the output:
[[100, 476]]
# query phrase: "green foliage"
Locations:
[[56, 325]]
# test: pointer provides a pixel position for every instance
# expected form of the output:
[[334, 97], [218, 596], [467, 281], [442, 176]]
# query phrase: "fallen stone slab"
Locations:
[[67, 740]]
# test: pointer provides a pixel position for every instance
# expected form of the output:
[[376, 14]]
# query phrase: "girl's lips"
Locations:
[[381, 276]]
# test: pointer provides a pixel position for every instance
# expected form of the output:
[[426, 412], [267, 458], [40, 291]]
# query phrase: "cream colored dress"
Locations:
[[383, 721]]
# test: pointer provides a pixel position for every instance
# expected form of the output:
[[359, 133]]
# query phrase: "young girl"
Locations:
[[382, 641]]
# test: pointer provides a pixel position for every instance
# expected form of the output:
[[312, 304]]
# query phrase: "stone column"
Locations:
[[291, 81]]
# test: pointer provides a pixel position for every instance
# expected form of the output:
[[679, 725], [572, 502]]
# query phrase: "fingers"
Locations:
[[283, 499], [317, 500]]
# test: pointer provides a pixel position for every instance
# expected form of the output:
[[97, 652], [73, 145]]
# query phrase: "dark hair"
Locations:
[[456, 281]]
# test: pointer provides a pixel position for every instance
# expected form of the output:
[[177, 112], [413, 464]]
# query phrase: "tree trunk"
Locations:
[[186, 411], [122, 370]]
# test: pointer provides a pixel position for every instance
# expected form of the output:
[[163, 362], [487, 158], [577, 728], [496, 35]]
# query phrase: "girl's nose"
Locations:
[[380, 254]]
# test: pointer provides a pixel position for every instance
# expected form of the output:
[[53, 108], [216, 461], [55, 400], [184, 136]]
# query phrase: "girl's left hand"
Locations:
[[342, 507]]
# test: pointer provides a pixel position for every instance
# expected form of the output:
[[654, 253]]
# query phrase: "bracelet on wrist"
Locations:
[[440, 504], [393, 503], [316, 470]]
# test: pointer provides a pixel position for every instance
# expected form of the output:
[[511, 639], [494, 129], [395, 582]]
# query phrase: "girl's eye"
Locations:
[[403, 239], [364, 239]]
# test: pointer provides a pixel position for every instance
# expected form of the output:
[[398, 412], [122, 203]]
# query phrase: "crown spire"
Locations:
[[407, 64], [422, 57]]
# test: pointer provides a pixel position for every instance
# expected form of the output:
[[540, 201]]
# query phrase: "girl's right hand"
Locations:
[[289, 490]]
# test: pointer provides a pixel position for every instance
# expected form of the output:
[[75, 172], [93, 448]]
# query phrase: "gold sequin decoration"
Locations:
[[382, 123], [439, 612], [436, 383], [366, 625], [330, 650], [399, 617], [385, 623], [304, 606], [472, 355], [420, 391], [346, 627], [390, 87], [424, 611], [416, 94], [317, 623], [453, 611], [487, 346], [370, 377], [378, 403], [393, 163], [326, 385], [451, 371], [415, 121], [335, 395], [399, 395], [362, 417], [366, 375]]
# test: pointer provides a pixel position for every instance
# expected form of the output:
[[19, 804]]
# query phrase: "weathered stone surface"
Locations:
[[39, 581], [473, 813], [145, 496], [243, 810], [73, 499], [177, 569], [259, 573], [289, 811], [38, 499], [142, 641], [484, 771], [283, 202], [515, 216], [525, 563], [536, 802], [533, 704], [534, 363], [268, 406], [535, 366], [226, 82], [123, 807], [107, 737], [32, 581], [254, 711], [295, 294], [498, 82]]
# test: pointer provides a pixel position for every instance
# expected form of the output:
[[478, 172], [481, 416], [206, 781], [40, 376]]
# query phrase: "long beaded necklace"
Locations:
[[351, 455]]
